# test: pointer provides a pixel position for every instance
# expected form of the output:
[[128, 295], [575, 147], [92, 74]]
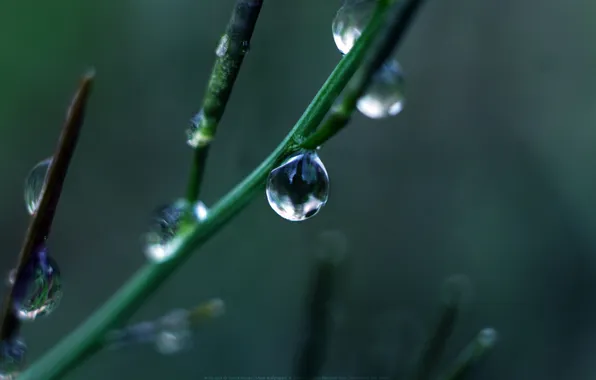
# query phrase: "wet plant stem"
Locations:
[[41, 222], [85, 340], [230, 52]]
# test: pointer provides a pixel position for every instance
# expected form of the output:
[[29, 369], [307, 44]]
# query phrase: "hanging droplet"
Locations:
[[12, 357], [385, 94], [197, 134], [174, 333], [299, 188], [160, 241], [38, 290], [350, 21], [34, 185]]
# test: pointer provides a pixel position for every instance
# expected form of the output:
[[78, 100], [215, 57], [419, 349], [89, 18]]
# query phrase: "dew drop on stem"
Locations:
[[299, 187], [350, 21], [38, 290], [384, 96], [34, 185], [160, 239]]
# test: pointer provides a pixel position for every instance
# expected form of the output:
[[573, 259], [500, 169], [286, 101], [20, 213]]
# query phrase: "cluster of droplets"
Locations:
[[298, 188], [162, 237], [385, 94], [170, 334]]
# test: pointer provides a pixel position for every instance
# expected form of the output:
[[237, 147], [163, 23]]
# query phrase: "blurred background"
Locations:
[[487, 172]]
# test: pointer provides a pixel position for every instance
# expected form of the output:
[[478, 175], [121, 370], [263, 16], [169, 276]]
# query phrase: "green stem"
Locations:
[[478, 348], [342, 114], [230, 52], [84, 340]]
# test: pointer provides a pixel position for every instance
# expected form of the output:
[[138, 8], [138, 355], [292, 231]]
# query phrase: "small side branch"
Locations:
[[342, 114], [232, 48], [41, 223]]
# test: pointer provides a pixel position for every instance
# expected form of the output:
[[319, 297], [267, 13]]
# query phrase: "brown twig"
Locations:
[[41, 222]]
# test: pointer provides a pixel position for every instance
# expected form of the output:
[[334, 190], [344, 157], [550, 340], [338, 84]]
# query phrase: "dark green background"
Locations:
[[487, 172]]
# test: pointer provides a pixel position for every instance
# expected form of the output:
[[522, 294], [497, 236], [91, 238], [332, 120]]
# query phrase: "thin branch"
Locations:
[[342, 114], [41, 223], [477, 349], [83, 341], [433, 351], [312, 354], [232, 48]]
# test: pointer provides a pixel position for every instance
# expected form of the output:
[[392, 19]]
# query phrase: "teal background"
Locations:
[[487, 172]]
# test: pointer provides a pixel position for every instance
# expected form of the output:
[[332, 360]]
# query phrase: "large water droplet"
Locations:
[[160, 240], [34, 185], [39, 290], [350, 21], [299, 188], [385, 94], [175, 334], [12, 357]]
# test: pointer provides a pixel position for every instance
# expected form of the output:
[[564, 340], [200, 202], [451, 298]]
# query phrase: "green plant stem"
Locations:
[[230, 53], [478, 348], [41, 222], [341, 115], [84, 340], [435, 346]]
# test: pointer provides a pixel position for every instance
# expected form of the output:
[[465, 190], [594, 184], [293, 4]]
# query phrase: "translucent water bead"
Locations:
[[385, 94], [34, 184], [174, 333], [298, 188], [160, 240], [12, 357], [350, 21], [39, 291]]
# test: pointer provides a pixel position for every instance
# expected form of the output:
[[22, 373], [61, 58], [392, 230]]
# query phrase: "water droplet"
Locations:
[[487, 337], [197, 134], [12, 357], [12, 275], [175, 334], [350, 21], [299, 188], [222, 47], [34, 185], [160, 240], [385, 94], [38, 291]]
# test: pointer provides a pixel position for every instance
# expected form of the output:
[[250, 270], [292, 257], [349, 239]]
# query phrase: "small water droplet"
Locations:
[[12, 357], [350, 21], [39, 290], [34, 185], [12, 275], [175, 334], [160, 240], [298, 188], [222, 47], [197, 134], [385, 94], [487, 337]]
